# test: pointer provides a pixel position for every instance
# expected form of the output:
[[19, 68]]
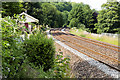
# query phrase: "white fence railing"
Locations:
[[110, 34]]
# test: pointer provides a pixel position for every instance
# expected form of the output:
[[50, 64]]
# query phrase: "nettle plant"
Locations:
[[12, 57], [15, 54], [61, 67]]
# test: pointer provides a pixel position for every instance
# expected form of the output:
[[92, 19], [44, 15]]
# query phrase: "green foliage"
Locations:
[[74, 22], [82, 14], [45, 12], [61, 67], [40, 50], [11, 8], [34, 9], [59, 70], [109, 18], [82, 26], [24, 59], [65, 17], [82, 35], [62, 6], [52, 16], [27, 71], [12, 57]]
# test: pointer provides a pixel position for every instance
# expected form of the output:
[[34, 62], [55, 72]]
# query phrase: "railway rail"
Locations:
[[103, 44], [69, 40], [90, 45]]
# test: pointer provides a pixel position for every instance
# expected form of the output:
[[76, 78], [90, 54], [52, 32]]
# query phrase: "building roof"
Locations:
[[29, 18]]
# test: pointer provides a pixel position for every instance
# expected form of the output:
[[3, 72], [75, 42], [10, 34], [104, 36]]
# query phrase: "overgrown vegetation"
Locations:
[[12, 57], [81, 14], [85, 34], [32, 58], [109, 18]]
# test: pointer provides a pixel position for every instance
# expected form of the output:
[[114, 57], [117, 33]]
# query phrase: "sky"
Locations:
[[94, 4]]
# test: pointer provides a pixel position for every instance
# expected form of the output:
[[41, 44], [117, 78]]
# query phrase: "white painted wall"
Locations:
[[29, 28], [28, 19]]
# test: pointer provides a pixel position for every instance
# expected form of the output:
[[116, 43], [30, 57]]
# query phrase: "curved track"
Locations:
[[99, 43], [76, 43]]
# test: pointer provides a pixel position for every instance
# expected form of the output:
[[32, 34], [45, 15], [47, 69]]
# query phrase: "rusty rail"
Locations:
[[94, 52], [109, 46]]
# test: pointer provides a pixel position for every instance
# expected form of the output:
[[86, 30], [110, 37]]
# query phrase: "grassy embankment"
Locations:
[[106, 39]]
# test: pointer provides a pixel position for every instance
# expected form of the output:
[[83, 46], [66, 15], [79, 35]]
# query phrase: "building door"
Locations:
[[26, 24]]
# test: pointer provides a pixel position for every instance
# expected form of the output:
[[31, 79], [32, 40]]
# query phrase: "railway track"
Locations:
[[95, 47], [99, 43], [102, 44], [108, 60]]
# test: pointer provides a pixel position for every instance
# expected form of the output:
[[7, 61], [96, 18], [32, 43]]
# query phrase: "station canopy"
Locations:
[[29, 18]]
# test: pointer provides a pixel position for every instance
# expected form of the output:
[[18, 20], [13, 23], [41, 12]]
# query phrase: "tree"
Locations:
[[62, 6], [83, 13], [74, 22], [65, 17], [65, 8], [34, 9], [51, 15], [11, 8], [45, 12], [109, 17]]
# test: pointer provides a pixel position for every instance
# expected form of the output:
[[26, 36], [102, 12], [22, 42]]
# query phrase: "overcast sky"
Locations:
[[94, 4]]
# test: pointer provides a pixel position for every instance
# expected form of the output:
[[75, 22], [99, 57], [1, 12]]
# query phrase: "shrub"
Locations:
[[60, 69], [12, 57], [27, 71], [40, 50], [82, 26]]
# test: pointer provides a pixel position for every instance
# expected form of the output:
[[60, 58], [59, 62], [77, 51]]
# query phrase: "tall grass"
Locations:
[[106, 39]]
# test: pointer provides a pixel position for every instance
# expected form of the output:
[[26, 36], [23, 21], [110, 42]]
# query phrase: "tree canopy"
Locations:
[[45, 12], [82, 13], [59, 14], [51, 15], [11, 8], [62, 6], [109, 17]]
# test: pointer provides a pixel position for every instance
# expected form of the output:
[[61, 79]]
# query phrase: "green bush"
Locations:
[[12, 57], [82, 26], [40, 50], [60, 69]]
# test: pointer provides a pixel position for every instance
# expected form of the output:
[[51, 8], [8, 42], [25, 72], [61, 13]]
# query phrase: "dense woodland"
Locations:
[[70, 14]]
